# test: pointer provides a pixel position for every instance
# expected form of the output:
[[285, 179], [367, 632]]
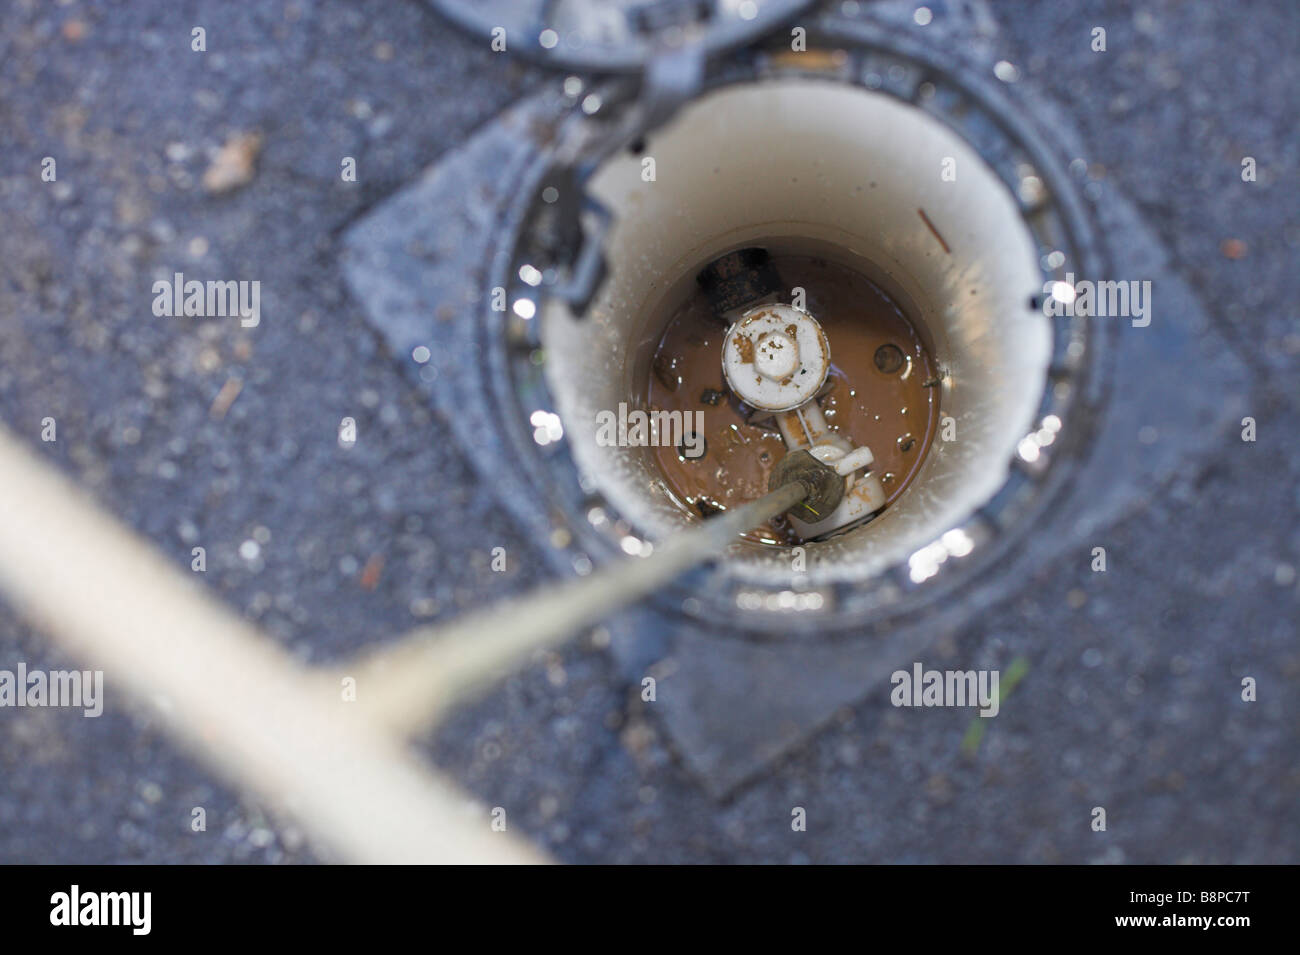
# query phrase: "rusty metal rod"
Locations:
[[409, 684]]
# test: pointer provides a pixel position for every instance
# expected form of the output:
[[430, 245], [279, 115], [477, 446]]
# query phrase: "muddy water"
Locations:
[[882, 391]]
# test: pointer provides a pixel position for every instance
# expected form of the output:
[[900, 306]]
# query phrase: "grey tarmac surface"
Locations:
[[1132, 695]]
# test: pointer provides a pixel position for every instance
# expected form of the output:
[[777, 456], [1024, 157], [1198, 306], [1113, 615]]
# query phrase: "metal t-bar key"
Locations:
[[414, 681]]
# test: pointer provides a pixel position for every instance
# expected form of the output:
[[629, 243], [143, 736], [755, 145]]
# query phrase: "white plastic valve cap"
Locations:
[[775, 357]]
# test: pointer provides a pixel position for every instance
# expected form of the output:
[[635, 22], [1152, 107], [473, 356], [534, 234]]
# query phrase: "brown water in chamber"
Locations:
[[882, 391]]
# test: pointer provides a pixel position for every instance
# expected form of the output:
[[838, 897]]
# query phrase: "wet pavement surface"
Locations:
[[200, 432]]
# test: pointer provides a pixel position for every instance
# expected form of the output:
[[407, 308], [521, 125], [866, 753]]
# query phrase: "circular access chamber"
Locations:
[[916, 224]]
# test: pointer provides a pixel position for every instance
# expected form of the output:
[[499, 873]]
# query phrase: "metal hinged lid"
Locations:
[[616, 36], [640, 60]]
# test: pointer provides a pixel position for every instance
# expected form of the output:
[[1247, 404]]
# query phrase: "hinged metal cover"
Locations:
[[616, 36]]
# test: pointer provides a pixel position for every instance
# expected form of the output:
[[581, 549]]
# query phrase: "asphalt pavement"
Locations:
[[200, 432]]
